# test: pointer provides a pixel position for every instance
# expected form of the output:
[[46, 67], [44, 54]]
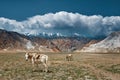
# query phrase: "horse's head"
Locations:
[[26, 56]]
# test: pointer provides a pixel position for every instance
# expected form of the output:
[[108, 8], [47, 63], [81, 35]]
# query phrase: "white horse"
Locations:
[[37, 58]]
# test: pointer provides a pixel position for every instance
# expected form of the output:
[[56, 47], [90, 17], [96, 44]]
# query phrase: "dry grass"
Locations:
[[86, 66]]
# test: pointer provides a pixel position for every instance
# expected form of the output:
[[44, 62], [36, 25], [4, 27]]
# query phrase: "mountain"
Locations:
[[63, 44], [69, 44], [14, 41], [109, 44]]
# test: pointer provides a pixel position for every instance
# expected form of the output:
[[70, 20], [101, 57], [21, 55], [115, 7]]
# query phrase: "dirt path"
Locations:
[[102, 74]]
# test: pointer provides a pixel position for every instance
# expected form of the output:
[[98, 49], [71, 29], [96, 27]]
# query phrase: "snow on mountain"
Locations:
[[109, 44], [53, 43], [53, 35]]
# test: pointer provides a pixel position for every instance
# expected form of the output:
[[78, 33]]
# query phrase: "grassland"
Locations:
[[86, 66]]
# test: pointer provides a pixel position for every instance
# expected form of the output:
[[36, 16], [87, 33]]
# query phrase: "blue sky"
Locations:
[[22, 9], [90, 18]]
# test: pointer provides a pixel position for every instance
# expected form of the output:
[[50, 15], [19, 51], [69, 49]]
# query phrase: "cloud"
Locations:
[[64, 23]]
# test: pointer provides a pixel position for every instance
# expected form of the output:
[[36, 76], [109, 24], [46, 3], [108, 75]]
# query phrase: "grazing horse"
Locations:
[[37, 58], [69, 57]]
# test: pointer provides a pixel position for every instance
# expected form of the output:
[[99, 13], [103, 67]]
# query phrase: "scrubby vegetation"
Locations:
[[84, 67]]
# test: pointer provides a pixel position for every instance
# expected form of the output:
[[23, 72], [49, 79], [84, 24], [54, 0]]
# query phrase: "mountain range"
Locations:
[[57, 43]]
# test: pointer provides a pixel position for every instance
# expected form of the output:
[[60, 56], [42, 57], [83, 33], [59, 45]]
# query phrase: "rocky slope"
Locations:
[[109, 44], [15, 41], [12, 40]]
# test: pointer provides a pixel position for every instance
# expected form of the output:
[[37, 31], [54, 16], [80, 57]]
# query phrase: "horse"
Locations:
[[69, 57], [36, 58]]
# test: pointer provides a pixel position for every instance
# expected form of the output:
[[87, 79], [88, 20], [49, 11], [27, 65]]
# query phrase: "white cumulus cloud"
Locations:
[[64, 23]]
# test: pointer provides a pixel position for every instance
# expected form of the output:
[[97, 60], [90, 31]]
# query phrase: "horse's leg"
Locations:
[[37, 63], [67, 59], [45, 66], [70, 58], [33, 63]]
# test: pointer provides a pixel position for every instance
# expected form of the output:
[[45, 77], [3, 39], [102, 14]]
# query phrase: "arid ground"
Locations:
[[85, 66]]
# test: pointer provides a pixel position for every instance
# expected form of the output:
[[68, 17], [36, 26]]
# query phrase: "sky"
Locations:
[[91, 18], [23, 9]]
